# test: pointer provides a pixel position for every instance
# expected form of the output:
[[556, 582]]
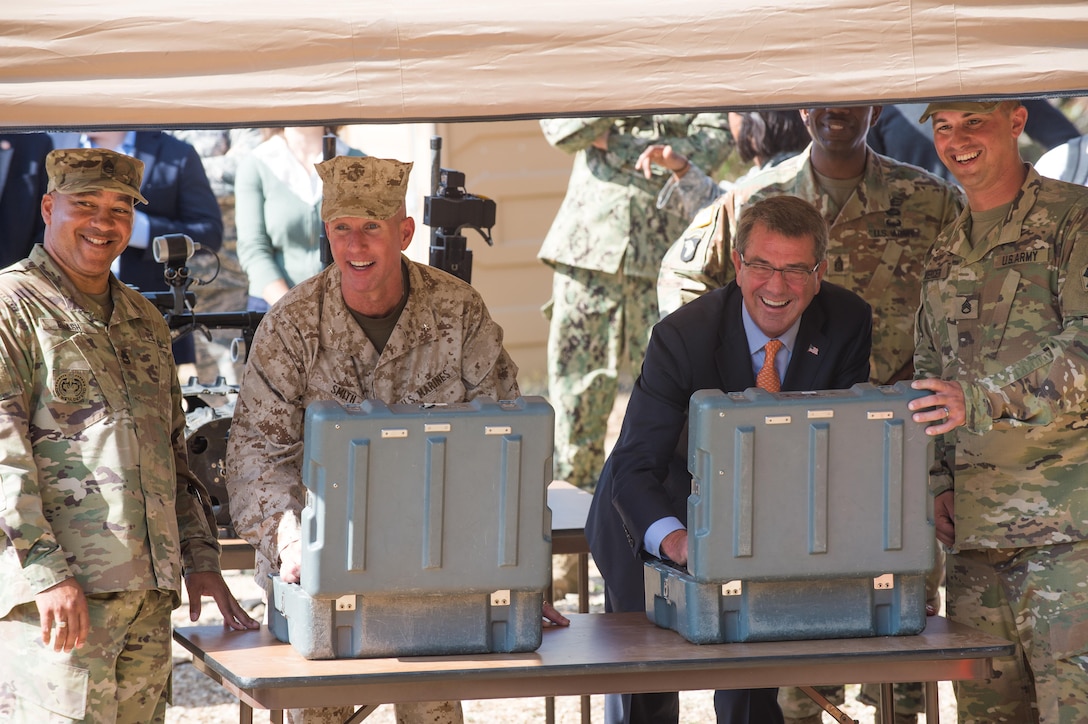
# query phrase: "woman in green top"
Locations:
[[277, 211]]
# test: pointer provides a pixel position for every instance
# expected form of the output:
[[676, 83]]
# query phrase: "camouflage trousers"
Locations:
[[598, 322], [909, 698], [416, 712], [122, 673], [1038, 599]]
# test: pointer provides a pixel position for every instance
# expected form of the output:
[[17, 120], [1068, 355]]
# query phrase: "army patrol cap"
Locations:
[[362, 186], [75, 170], [960, 106]]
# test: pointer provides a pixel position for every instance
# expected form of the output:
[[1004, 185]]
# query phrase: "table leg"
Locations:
[[583, 607], [933, 704], [887, 703], [583, 583], [549, 701], [836, 713], [362, 713]]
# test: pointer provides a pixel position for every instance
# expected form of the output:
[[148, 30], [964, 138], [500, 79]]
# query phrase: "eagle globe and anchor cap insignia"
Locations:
[[71, 385]]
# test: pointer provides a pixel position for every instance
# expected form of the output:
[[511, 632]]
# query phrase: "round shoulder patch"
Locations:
[[71, 385]]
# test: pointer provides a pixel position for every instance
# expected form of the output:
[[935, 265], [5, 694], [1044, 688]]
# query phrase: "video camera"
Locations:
[[447, 212], [173, 251]]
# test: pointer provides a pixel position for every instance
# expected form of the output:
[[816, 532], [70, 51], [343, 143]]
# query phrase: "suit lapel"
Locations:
[[733, 361], [5, 166], [809, 352], [147, 150]]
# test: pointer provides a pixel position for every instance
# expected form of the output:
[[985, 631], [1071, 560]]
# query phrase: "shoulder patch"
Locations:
[[701, 227], [689, 247], [71, 385]]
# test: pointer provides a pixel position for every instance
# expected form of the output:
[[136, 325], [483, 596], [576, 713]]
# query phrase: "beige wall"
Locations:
[[511, 163]]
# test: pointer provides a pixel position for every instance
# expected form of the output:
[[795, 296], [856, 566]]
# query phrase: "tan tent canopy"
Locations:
[[80, 63]]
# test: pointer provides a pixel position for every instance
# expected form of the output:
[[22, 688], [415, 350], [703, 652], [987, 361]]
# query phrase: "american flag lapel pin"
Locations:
[[813, 349]]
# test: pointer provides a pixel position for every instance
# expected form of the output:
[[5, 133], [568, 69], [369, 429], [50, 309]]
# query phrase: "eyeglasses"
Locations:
[[763, 272]]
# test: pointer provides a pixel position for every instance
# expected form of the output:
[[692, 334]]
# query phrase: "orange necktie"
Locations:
[[767, 379]]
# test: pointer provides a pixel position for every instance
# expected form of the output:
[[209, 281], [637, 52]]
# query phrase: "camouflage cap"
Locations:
[[362, 186], [959, 106], [74, 170]]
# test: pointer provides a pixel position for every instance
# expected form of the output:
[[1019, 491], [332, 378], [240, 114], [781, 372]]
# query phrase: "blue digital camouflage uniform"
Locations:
[[95, 486], [1008, 319], [445, 348], [606, 245], [876, 249]]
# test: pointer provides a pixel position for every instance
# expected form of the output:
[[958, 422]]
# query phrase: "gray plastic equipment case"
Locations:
[[426, 530], [809, 517]]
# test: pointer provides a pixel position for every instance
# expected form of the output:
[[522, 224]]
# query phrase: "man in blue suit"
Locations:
[[179, 201], [717, 342], [23, 182]]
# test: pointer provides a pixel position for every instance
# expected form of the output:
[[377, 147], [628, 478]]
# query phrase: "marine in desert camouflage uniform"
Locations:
[[882, 221], [100, 516], [606, 245], [1003, 347], [395, 331]]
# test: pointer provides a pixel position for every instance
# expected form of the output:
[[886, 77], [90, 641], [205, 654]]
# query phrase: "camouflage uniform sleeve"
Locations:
[[264, 452], [24, 530], [1049, 382], [708, 142], [927, 357], [704, 139], [574, 134], [196, 521], [927, 363], [698, 262], [688, 195], [486, 367]]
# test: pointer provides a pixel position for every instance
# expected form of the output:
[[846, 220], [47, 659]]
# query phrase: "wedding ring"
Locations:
[[62, 624], [945, 411]]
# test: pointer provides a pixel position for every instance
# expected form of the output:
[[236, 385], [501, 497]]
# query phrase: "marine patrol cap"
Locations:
[[362, 186], [75, 170], [959, 106]]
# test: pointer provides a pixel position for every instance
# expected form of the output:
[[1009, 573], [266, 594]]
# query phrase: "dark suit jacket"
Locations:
[[179, 201], [22, 184], [701, 346]]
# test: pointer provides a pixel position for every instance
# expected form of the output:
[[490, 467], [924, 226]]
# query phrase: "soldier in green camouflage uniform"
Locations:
[[100, 516], [883, 216], [1003, 348], [393, 330], [606, 245]]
